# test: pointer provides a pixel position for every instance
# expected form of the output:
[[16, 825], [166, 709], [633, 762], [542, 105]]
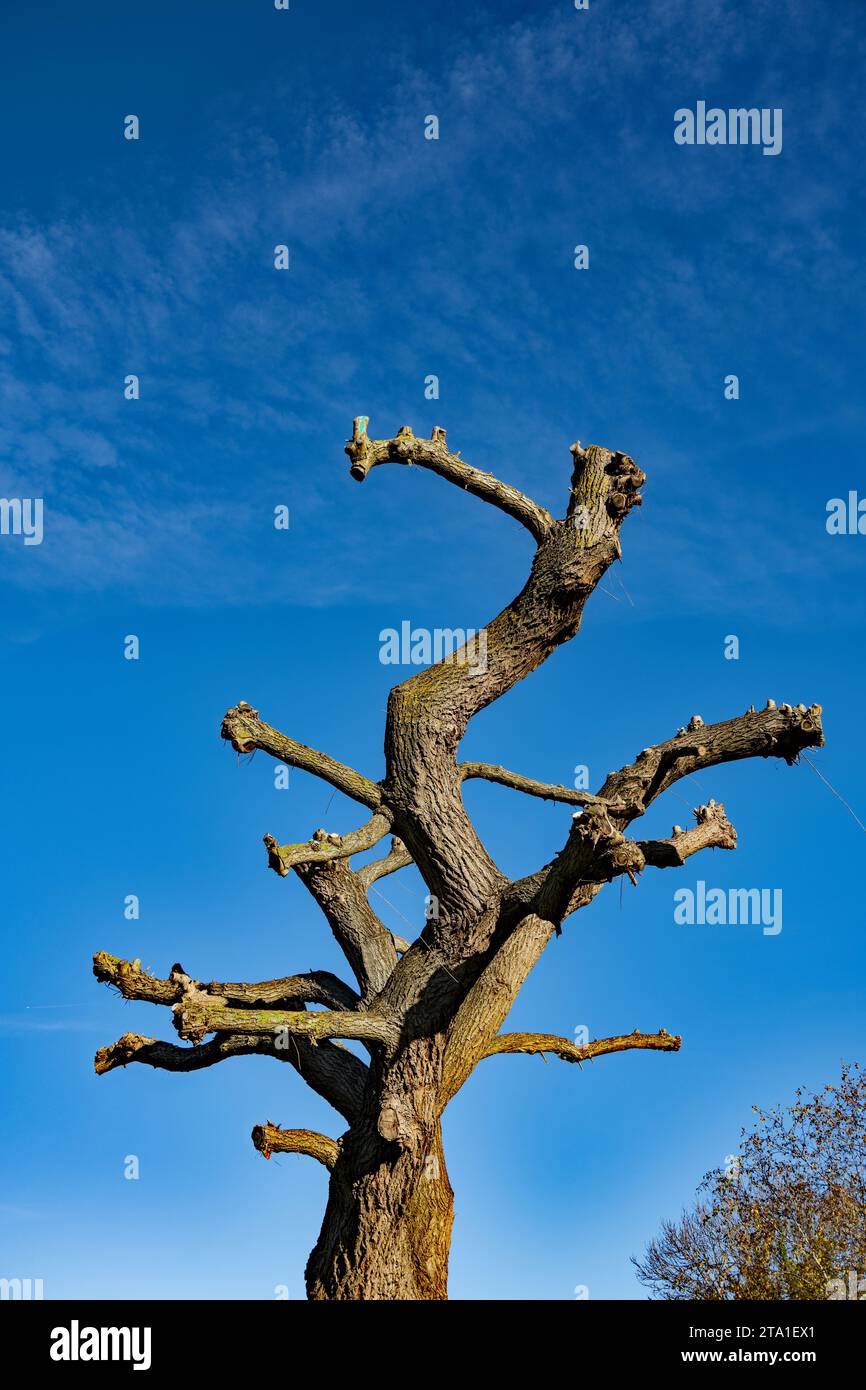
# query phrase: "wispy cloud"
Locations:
[[28, 1023], [410, 257]]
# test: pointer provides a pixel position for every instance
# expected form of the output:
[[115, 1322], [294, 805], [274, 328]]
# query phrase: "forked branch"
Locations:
[[365, 941], [596, 850], [324, 846]]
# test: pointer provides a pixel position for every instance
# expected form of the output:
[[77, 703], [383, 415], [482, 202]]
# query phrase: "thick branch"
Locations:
[[317, 987], [366, 453], [428, 714], [364, 939], [769, 733], [270, 1139], [595, 852], [198, 1014], [324, 847], [246, 732], [662, 1041], [604, 488]]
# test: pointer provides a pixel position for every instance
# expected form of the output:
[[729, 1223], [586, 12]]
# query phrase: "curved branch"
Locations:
[[245, 731], [564, 1048], [398, 857], [782, 732], [548, 791], [324, 847], [428, 714], [366, 453], [132, 1047], [270, 1139], [332, 1071]]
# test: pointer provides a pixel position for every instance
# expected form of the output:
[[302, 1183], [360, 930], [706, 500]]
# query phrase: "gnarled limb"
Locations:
[[712, 830], [132, 1047], [366, 453], [604, 488], [568, 1051], [626, 794], [246, 732], [323, 847], [332, 1071], [595, 852], [316, 987], [270, 1139], [782, 732]]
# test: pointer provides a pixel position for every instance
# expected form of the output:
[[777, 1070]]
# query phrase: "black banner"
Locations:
[[67, 1338]]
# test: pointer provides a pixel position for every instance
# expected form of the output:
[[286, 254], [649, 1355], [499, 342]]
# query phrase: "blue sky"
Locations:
[[408, 258]]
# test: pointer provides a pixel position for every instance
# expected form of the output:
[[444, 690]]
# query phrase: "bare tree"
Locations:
[[427, 1012], [786, 1219]]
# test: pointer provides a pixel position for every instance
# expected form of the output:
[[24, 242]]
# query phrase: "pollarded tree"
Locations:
[[428, 1011]]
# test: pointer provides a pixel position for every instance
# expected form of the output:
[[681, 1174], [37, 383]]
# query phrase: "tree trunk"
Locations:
[[387, 1228]]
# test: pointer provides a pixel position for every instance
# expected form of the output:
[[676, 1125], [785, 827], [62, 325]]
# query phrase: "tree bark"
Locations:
[[387, 1227]]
